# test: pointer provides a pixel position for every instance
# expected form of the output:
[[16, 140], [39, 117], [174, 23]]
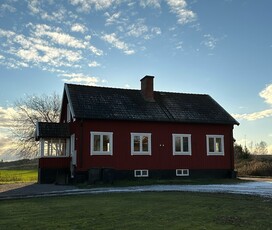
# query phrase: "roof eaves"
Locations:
[[66, 89]]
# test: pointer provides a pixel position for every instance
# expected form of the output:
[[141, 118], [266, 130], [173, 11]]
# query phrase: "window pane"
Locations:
[[136, 142], [145, 144], [218, 145], [211, 144], [144, 173], [96, 143], [185, 144], [177, 144], [106, 143]]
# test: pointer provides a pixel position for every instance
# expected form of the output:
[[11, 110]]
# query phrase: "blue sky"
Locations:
[[218, 47]]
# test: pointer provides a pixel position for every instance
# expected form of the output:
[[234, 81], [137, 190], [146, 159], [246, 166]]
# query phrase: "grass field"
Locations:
[[16, 176], [165, 210]]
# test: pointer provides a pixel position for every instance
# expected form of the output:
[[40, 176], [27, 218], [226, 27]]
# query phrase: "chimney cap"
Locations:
[[147, 76]]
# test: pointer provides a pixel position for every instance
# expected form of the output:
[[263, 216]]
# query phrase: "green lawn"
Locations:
[[16, 176], [149, 210]]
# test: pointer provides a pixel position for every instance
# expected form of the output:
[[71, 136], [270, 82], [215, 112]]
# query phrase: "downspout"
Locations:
[[81, 144], [232, 154]]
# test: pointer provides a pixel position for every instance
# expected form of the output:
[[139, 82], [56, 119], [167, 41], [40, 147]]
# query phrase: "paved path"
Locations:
[[258, 188]]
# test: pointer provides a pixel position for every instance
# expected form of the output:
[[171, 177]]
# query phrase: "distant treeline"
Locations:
[[20, 164]]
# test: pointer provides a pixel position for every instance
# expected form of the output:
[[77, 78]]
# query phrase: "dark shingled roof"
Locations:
[[52, 130], [89, 102]]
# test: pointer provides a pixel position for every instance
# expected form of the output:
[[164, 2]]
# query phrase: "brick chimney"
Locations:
[[147, 88]]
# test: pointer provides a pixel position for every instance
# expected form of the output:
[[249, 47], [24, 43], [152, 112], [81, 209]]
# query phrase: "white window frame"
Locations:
[[141, 152], [182, 152], [54, 147], [101, 152], [215, 152], [182, 172], [141, 173]]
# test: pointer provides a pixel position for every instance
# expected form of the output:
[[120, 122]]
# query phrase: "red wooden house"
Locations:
[[110, 133]]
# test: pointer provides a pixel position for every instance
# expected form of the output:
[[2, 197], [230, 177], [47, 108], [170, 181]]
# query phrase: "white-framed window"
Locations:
[[182, 144], [141, 173], [182, 172], [101, 143], [140, 143], [54, 147], [215, 145]]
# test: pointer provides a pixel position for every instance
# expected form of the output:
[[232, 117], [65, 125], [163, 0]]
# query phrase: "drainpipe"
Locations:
[[81, 144]]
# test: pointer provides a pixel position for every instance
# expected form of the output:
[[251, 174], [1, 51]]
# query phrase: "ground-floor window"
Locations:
[[140, 143], [182, 144], [215, 144], [101, 143], [182, 172], [141, 173]]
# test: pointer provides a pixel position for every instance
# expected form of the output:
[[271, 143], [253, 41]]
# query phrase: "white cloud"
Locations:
[[34, 5], [57, 36], [79, 28], [96, 51], [254, 116], [34, 51], [57, 15], [209, 41], [179, 7], [94, 64], [267, 94], [150, 3], [6, 7], [137, 29], [112, 19], [6, 117], [79, 78], [117, 43], [87, 5], [7, 147]]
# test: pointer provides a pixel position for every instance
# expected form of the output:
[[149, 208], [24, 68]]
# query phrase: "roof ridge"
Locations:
[[129, 89]]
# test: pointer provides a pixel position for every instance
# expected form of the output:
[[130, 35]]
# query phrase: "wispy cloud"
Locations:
[[266, 94], [36, 51], [56, 14], [209, 41], [179, 7], [87, 5], [254, 116], [117, 43], [95, 50], [7, 7], [79, 28], [57, 36], [137, 29], [112, 18], [94, 64], [150, 3], [79, 78]]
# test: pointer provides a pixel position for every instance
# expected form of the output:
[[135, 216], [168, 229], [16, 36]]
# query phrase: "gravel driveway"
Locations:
[[257, 188]]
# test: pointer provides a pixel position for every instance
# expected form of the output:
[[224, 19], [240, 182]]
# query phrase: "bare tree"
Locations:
[[30, 110], [261, 148]]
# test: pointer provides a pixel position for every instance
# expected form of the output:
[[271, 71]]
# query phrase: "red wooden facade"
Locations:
[[161, 144]]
